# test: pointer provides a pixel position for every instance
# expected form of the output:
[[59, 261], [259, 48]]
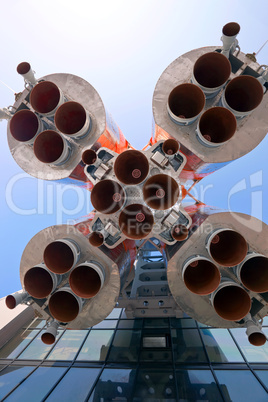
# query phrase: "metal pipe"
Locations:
[[16, 298], [255, 335], [89, 157], [39, 282], [200, 275], [170, 147], [96, 239], [242, 95], [227, 247], [87, 279], [46, 97], [229, 33], [72, 119], [131, 167], [136, 221], [253, 272], [216, 126], [49, 336], [231, 301], [61, 256], [161, 191], [25, 70], [107, 196], [64, 305], [185, 103], [211, 71], [180, 232], [50, 147], [25, 125]]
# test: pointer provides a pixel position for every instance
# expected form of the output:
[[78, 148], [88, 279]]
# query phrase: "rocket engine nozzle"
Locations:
[[72, 119], [242, 95], [211, 71], [61, 256], [131, 167], [107, 196], [51, 147], [16, 298], [89, 157], [49, 336], [86, 280], [161, 191], [39, 282], [25, 125], [180, 232], [136, 221], [185, 103], [253, 272], [25, 70], [216, 126], [96, 239], [64, 305], [231, 301], [254, 332], [201, 276], [46, 97], [227, 247], [170, 147]]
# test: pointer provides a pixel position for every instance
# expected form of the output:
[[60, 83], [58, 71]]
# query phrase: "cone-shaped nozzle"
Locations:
[[242, 95], [136, 221], [131, 167], [25, 70], [16, 298], [185, 103], [45, 97], [64, 305], [86, 280], [201, 276], [51, 147], [96, 239], [107, 196], [89, 157], [39, 282], [216, 126], [49, 336], [227, 247], [25, 125], [180, 232], [211, 71], [231, 29], [61, 255], [231, 301], [253, 273], [170, 147], [72, 119], [255, 335], [161, 191]]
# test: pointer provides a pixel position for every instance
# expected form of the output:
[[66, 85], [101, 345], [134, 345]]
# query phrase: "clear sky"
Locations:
[[121, 48]]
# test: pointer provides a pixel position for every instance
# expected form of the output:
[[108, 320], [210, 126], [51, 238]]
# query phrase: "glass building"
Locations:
[[142, 359]]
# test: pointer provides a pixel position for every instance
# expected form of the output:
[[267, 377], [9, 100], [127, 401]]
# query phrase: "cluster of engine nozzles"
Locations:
[[211, 73], [70, 119], [231, 300], [160, 192], [79, 281]]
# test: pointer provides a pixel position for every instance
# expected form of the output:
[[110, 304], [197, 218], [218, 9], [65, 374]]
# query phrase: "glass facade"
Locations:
[[150, 359]]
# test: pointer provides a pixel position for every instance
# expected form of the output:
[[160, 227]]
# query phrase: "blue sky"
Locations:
[[121, 48]]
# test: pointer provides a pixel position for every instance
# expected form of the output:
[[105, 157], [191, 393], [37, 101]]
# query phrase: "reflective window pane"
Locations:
[[255, 354], [96, 345], [75, 385], [135, 324], [37, 323], [106, 324], [37, 349], [197, 385], [35, 387], [182, 323], [125, 347], [156, 323], [10, 377], [240, 386], [263, 375], [17, 344], [155, 385], [113, 385], [220, 346], [187, 346], [68, 345]]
